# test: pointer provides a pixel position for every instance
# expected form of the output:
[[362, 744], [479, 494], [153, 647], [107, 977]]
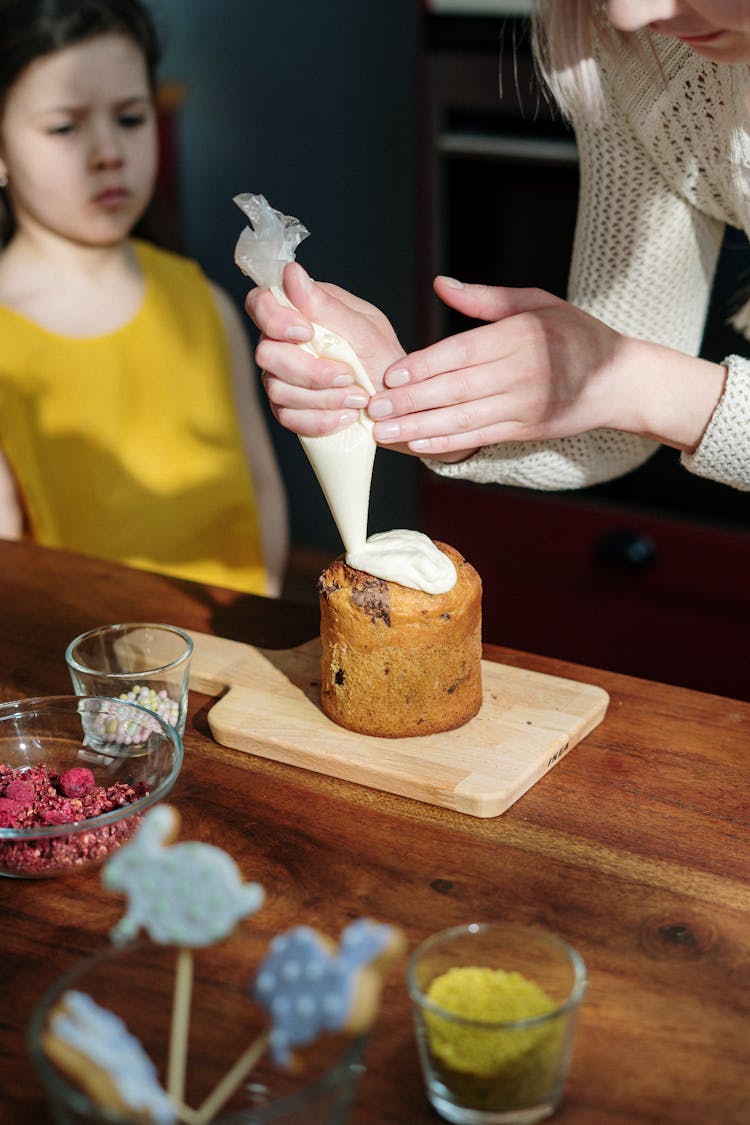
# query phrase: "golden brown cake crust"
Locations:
[[396, 661]]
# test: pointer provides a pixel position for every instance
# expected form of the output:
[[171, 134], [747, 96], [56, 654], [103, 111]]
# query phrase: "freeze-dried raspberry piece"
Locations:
[[21, 791], [77, 782], [9, 811]]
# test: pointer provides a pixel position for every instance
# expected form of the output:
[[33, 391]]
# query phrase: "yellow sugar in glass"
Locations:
[[491, 1065]]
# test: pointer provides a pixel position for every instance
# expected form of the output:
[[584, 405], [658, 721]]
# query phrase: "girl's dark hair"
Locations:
[[30, 29]]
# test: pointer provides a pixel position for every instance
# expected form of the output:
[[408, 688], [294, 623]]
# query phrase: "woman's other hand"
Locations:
[[539, 369]]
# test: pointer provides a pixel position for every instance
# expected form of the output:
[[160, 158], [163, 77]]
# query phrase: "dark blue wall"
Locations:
[[312, 105]]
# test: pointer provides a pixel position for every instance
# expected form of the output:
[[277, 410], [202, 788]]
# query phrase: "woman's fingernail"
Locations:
[[298, 334], [452, 282], [397, 378], [357, 399], [304, 277], [419, 445], [380, 408], [387, 431], [346, 417]]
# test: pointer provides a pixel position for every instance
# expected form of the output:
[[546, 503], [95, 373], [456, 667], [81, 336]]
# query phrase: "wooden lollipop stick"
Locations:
[[231, 1080], [185, 1113], [178, 1038]]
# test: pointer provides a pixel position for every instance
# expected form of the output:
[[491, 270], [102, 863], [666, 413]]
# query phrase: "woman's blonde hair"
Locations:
[[566, 37]]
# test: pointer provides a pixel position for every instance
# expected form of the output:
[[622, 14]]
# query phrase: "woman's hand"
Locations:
[[541, 369], [312, 396]]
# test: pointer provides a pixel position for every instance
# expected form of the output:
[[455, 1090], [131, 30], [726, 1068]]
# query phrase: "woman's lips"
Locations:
[[709, 37], [111, 197]]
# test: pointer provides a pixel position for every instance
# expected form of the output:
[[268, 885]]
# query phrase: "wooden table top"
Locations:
[[634, 848]]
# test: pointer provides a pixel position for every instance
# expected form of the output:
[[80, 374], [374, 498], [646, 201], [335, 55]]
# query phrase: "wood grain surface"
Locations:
[[635, 849], [527, 723]]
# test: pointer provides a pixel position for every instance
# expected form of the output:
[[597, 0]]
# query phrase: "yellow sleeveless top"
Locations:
[[126, 446]]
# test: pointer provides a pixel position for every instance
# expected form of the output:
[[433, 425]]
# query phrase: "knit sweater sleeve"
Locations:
[[724, 452], [643, 262]]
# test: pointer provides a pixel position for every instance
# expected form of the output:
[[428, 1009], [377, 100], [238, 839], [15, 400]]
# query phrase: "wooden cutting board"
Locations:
[[527, 723]]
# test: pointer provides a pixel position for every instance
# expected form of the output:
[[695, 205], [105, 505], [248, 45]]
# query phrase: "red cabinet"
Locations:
[[615, 587]]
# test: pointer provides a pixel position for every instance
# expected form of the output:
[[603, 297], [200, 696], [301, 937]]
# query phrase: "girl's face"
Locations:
[[78, 142], [717, 29]]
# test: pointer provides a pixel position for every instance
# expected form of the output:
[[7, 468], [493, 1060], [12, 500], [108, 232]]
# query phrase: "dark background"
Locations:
[[311, 105]]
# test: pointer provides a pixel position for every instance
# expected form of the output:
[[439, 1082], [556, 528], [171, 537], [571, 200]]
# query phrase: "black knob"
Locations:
[[631, 550]]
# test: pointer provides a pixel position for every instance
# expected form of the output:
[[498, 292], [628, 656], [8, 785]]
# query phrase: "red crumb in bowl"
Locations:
[[39, 797]]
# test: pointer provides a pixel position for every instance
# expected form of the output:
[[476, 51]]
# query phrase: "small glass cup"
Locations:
[[136, 983], [140, 663], [489, 1072]]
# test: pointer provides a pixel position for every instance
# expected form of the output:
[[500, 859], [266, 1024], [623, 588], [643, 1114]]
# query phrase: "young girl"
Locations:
[[551, 394], [129, 423]]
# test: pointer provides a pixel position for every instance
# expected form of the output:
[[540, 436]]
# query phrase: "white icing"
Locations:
[[187, 894], [407, 557], [103, 1038], [342, 461], [343, 464]]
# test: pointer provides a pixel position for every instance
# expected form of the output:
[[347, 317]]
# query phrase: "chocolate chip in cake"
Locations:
[[373, 599], [325, 589], [457, 684]]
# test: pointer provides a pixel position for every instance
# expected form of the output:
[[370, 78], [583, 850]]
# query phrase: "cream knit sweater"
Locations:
[[662, 172]]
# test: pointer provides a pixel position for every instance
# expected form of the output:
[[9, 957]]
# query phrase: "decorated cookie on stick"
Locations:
[[311, 987], [93, 1045], [189, 895]]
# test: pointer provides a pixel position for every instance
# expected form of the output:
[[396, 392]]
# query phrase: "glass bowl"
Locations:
[[134, 757], [136, 983]]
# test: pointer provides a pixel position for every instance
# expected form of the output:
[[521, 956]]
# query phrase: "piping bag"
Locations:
[[342, 461]]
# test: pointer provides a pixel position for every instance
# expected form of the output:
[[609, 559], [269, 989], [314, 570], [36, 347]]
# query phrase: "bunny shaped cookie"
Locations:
[[188, 894]]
